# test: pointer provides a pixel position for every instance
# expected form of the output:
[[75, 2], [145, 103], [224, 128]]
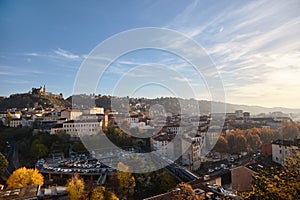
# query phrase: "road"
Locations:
[[178, 172], [12, 156]]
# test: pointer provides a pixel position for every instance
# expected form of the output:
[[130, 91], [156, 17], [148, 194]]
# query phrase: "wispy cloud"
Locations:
[[58, 53], [255, 47], [66, 54]]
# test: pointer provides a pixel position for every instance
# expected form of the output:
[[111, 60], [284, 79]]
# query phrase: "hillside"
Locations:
[[172, 104], [28, 100]]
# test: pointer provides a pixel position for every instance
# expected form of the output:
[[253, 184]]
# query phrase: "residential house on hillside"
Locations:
[[283, 149]]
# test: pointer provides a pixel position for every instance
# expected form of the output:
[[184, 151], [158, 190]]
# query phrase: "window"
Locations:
[[280, 151]]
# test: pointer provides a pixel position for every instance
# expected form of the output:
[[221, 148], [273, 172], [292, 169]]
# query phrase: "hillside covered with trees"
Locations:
[[28, 100]]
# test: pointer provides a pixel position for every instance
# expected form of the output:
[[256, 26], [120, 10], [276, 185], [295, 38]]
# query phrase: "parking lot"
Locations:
[[82, 164]]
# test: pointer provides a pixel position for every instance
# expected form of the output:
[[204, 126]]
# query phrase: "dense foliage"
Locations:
[[100, 193], [75, 188], [185, 191], [278, 183], [237, 141], [28, 100], [126, 181], [23, 177], [3, 163]]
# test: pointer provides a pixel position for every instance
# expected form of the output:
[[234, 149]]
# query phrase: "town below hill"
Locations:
[[38, 97], [216, 154]]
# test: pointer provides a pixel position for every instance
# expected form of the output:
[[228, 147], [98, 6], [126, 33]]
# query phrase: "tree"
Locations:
[[278, 183], [298, 126], [111, 196], [39, 150], [186, 192], [63, 136], [23, 177], [268, 135], [75, 188], [289, 130], [100, 193], [253, 141], [79, 147], [241, 143], [231, 141], [125, 126], [167, 181], [126, 181], [221, 145], [3, 163]]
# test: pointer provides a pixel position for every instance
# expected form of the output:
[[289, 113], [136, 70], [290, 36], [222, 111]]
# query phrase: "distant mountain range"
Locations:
[[170, 104]]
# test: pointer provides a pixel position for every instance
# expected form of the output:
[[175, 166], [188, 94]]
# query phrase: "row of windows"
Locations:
[[286, 152], [80, 125], [77, 130], [80, 130]]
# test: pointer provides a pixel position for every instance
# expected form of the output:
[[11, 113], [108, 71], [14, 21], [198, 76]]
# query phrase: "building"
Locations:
[[239, 113], [192, 156], [163, 144], [27, 121], [24, 193], [41, 90], [70, 114], [176, 129], [132, 119], [94, 111], [15, 122], [78, 128], [283, 149], [246, 116], [241, 178], [266, 150]]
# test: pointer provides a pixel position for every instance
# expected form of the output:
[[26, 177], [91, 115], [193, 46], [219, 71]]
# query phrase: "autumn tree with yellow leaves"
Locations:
[[186, 192], [126, 181], [75, 188], [278, 183], [100, 193], [23, 177]]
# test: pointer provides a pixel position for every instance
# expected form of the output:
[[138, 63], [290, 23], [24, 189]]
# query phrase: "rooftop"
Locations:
[[28, 192], [295, 142]]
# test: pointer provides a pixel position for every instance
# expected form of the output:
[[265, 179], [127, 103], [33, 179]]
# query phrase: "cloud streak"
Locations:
[[255, 46], [66, 54]]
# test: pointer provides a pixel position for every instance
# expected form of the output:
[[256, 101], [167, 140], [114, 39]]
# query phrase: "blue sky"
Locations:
[[255, 45]]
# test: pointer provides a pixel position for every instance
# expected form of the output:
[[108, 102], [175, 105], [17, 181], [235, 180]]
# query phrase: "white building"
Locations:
[[132, 119], [3, 114], [78, 128], [283, 149], [141, 125], [15, 122], [163, 144], [176, 129]]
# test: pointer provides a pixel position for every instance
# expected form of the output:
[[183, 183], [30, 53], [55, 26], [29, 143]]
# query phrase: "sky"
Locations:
[[254, 45]]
